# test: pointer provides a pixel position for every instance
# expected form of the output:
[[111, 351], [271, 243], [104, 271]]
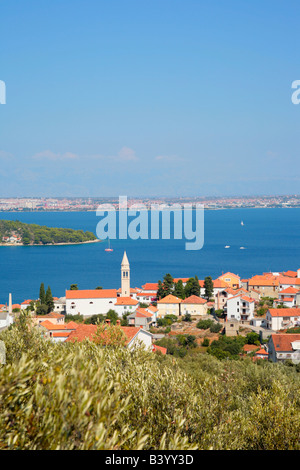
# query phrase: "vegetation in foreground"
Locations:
[[83, 396]]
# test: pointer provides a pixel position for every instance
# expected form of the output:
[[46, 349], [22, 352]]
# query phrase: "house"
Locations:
[[282, 318], [59, 305], [125, 305], [6, 319], [267, 285], [240, 307], [232, 280], [223, 295], [26, 304], [57, 332], [52, 317], [150, 287], [262, 354], [90, 302], [287, 297], [169, 305], [218, 286], [194, 305], [140, 318], [146, 297], [134, 335], [161, 349], [287, 281], [282, 347]]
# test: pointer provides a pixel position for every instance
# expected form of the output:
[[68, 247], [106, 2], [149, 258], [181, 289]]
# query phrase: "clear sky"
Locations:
[[149, 97]]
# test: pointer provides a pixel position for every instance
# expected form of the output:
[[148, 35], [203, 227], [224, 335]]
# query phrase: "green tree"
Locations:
[[179, 289], [168, 284], [74, 287], [160, 291], [42, 310], [112, 316], [192, 287], [49, 300], [209, 287], [42, 294]]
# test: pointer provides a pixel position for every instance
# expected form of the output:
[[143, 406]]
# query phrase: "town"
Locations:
[[266, 304], [61, 204]]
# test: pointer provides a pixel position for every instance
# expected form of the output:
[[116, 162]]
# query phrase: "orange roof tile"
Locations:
[[62, 334], [52, 326], [284, 312], [169, 299], [194, 299], [289, 290], [283, 342], [126, 301], [89, 331], [91, 294], [153, 286], [156, 348]]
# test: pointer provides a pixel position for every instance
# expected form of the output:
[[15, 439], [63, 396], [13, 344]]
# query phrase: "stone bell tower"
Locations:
[[125, 277]]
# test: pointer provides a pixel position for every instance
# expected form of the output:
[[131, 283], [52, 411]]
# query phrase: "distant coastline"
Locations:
[[52, 244]]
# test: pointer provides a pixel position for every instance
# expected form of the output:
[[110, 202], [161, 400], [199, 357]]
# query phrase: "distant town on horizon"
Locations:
[[91, 203]]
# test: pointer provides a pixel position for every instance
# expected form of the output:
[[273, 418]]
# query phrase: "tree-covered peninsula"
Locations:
[[19, 233]]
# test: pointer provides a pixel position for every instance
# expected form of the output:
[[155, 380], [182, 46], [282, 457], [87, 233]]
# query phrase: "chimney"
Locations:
[[10, 305], [107, 321], [118, 322]]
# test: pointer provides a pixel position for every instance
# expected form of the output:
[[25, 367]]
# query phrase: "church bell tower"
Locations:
[[125, 277]]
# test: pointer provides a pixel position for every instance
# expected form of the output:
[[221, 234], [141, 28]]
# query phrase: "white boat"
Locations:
[[242, 248], [227, 246], [109, 248], [242, 223]]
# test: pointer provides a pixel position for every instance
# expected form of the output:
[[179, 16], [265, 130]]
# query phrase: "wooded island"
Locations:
[[19, 233]]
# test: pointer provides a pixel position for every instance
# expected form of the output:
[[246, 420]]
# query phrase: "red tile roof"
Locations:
[[283, 342], [289, 290], [156, 348], [290, 273], [194, 299], [284, 312], [84, 331], [153, 286], [169, 299], [126, 301], [62, 334], [91, 294], [52, 326]]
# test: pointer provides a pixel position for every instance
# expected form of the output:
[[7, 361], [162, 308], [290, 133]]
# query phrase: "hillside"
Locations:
[[81, 396], [19, 233]]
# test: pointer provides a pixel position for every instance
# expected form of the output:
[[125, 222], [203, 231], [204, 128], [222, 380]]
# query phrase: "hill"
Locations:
[[19, 233]]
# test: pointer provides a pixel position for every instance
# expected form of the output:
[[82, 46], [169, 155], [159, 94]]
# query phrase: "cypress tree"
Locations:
[[49, 300], [42, 294]]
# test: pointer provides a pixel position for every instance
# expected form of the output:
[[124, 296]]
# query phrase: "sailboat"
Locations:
[[109, 248], [242, 223]]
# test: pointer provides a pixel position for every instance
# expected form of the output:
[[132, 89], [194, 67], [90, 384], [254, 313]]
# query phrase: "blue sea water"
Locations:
[[270, 237]]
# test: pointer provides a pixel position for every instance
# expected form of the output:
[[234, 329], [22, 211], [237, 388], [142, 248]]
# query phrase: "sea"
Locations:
[[259, 240]]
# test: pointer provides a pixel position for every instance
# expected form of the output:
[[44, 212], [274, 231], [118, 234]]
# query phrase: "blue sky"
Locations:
[[149, 97]]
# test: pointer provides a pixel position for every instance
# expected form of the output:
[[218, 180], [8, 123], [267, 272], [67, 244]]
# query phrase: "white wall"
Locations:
[[88, 307]]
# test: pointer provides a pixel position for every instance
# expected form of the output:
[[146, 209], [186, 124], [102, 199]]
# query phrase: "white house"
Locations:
[[282, 318], [90, 302], [134, 335], [287, 297], [240, 307], [282, 347], [125, 305]]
